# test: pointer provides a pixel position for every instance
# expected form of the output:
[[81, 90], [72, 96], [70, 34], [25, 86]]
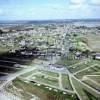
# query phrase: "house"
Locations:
[[78, 55], [96, 56], [56, 67]]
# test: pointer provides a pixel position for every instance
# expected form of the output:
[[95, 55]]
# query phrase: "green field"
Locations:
[[66, 82], [95, 78], [88, 71], [53, 74], [93, 84], [46, 80], [29, 73], [68, 61], [81, 66], [27, 89], [80, 90]]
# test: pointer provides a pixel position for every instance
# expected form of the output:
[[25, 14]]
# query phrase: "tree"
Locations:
[[86, 52], [75, 35], [1, 31]]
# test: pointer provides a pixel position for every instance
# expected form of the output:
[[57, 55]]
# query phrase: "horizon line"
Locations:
[[52, 19]]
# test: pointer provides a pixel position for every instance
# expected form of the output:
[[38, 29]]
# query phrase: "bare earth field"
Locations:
[[93, 41]]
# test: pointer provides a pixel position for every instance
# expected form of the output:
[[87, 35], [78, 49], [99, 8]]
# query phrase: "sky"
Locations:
[[49, 9]]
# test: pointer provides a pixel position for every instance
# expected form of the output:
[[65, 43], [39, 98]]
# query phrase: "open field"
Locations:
[[81, 66], [68, 61], [94, 84], [80, 90], [81, 79], [45, 79], [83, 87], [28, 74], [71, 82], [88, 71], [66, 82], [49, 73], [3, 50], [81, 46], [93, 41], [41, 91], [95, 78]]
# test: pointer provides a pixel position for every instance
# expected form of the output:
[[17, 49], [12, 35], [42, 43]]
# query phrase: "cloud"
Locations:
[[77, 2], [56, 10], [95, 2]]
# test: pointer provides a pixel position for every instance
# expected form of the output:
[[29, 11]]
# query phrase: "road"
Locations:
[[87, 87], [23, 71], [60, 80], [83, 61], [60, 72], [13, 76], [85, 69], [91, 80], [52, 86]]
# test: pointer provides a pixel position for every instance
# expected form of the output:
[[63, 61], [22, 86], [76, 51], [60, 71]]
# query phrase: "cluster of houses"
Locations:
[[25, 51], [95, 56]]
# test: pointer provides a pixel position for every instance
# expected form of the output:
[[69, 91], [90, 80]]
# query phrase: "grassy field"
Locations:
[[82, 90], [81, 66], [37, 72], [93, 41], [81, 46], [93, 84], [68, 61], [29, 73], [41, 76], [27, 89], [3, 50], [46, 80], [66, 82], [95, 78], [49, 73], [79, 89], [86, 72]]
